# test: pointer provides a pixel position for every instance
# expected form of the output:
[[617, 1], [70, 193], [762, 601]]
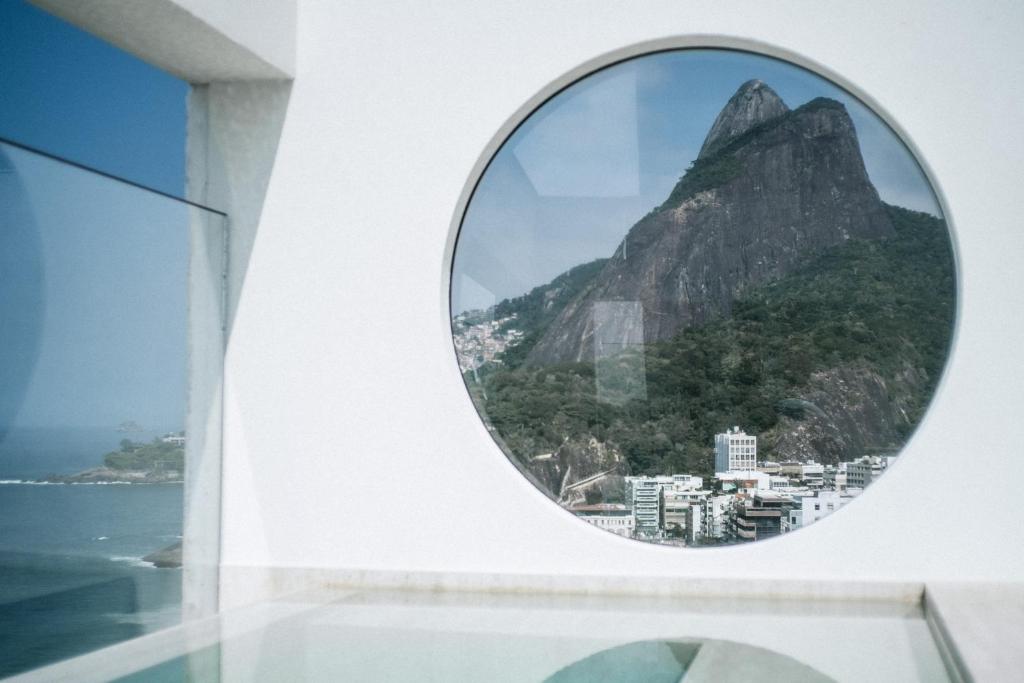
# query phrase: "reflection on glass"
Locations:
[[94, 320], [618, 329], [711, 296], [673, 661], [444, 636]]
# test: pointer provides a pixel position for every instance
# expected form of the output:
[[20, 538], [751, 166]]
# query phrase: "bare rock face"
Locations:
[[753, 104], [165, 558], [851, 411], [771, 188], [579, 468]]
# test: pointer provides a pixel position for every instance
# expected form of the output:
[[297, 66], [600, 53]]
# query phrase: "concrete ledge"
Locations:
[[977, 627], [242, 585]]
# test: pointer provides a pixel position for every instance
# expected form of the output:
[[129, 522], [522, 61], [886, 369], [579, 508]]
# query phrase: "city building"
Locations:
[[810, 508], [735, 450], [647, 506], [759, 517], [866, 469], [746, 480], [716, 511], [812, 474], [662, 504], [834, 477], [686, 482], [682, 516], [859, 473], [613, 517], [807, 472]]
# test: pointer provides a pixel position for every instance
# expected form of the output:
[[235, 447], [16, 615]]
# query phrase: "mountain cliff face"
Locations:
[[770, 188], [582, 471], [855, 411], [753, 104], [772, 290]]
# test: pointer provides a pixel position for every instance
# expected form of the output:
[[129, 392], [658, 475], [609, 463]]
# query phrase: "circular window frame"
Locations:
[[647, 48]]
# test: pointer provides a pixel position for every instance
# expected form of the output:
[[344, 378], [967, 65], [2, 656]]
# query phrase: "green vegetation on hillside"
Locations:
[[886, 305], [538, 308], [155, 455], [703, 174]]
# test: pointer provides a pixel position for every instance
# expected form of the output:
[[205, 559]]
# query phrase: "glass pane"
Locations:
[[702, 297], [94, 325], [441, 636]]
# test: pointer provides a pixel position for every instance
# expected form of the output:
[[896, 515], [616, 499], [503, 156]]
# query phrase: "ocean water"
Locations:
[[72, 578]]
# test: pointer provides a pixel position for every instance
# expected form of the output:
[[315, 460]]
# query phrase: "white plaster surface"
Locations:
[[350, 440], [233, 130], [233, 133]]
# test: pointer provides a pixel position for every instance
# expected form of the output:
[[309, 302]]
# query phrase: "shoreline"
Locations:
[[119, 482], [111, 475]]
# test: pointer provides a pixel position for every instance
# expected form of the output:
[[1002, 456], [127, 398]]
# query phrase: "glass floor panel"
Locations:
[[420, 636]]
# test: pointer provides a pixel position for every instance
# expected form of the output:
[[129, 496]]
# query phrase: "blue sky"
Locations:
[[69, 93], [93, 331], [571, 181]]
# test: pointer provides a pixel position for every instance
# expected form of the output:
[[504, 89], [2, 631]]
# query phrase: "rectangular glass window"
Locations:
[[111, 326]]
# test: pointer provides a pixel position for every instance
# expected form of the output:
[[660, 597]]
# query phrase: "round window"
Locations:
[[702, 297]]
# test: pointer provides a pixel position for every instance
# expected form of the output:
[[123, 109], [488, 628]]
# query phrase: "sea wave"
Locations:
[[29, 482], [153, 619], [132, 561]]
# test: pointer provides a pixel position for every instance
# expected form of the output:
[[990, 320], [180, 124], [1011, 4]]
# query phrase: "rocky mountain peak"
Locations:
[[753, 104], [760, 200]]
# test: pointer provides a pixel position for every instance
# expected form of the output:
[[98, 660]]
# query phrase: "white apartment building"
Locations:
[[866, 469], [675, 482], [812, 473], [651, 497], [684, 510], [608, 516], [859, 473], [811, 508], [716, 510], [647, 505], [686, 482], [735, 450], [748, 480], [808, 471]]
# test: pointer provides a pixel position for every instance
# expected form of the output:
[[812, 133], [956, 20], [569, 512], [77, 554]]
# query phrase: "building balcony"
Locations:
[[761, 512]]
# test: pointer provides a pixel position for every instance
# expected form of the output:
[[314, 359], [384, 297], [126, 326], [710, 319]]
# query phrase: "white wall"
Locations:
[[350, 441]]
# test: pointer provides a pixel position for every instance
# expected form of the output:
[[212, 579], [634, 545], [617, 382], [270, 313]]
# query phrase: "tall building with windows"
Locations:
[[735, 450], [647, 506]]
